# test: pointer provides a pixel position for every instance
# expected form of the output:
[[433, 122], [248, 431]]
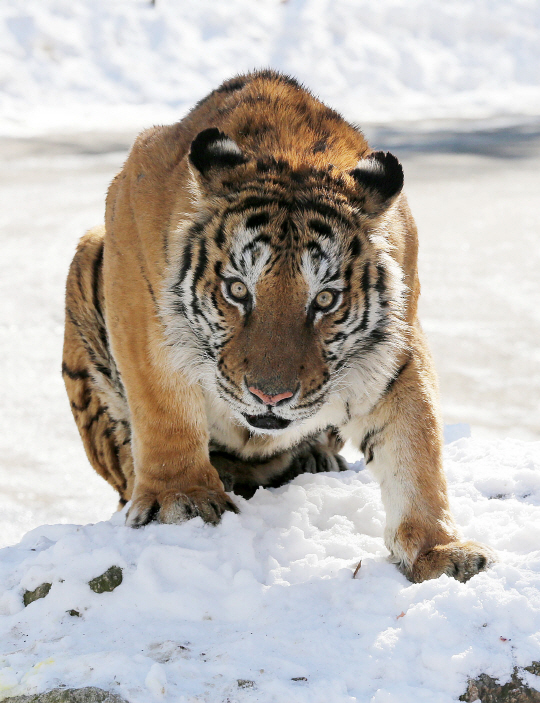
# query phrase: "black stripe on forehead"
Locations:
[[302, 206], [270, 187], [256, 201], [259, 239], [321, 228], [259, 219], [325, 210], [315, 249], [249, 248]]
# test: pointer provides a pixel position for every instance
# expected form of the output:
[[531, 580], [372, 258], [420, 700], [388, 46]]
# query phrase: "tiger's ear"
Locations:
[[212, 149], [380, 177]]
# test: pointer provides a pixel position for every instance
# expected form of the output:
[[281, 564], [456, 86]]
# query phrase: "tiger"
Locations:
[[249, 305]]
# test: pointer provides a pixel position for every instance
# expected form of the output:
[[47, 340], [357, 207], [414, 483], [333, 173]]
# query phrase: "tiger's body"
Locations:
[[250, 304]]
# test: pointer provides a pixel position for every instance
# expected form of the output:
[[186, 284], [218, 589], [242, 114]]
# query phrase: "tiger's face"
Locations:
[[286, 283]]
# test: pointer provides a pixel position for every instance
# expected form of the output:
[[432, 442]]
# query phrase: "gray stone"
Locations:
[[40, 592], [108, 581], [89, 694], [534, 668], [488, 690]]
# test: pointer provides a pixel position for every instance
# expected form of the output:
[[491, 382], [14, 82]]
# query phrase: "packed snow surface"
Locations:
[[264, 606], [100, 63]]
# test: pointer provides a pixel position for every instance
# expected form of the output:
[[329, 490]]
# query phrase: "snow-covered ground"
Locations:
[[264, 607], [100, 63]]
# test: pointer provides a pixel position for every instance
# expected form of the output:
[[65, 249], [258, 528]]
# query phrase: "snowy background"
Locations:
[[375, 61], [267, 598]]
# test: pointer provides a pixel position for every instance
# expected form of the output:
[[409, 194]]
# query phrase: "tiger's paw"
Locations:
[[175, 507], [318, 459], [462, 560]]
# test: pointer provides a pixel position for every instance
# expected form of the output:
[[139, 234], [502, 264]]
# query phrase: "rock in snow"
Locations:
[[489, 690], [70, 695], [108, 581], [39, 592]]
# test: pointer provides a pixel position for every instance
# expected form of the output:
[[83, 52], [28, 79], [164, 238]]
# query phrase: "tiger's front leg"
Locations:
[[402, 445], [174, 479]]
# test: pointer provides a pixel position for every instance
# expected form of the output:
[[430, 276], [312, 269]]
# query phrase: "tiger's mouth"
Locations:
[[267, 422]]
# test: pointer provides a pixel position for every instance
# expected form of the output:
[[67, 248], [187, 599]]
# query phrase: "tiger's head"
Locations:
[[284, 291]]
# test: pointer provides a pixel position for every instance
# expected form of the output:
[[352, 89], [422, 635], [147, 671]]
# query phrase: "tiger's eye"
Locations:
[[325, 299], [238, 290]]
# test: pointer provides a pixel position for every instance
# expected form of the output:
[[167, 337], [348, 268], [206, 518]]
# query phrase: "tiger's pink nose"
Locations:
[[270, 399]]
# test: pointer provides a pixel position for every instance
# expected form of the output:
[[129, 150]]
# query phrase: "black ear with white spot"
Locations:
[[380, 176], [212, 149]]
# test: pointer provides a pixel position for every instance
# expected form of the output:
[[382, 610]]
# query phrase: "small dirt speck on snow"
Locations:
[[245, 683]]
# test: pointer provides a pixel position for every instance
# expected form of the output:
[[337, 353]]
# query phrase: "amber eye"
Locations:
[[238, 290], [325, 299]]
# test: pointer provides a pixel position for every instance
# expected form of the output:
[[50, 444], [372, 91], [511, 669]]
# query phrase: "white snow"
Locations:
[[91, 63], [268, 597]]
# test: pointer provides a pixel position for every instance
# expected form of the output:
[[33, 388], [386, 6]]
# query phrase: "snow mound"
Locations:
[[72, 62], [264, 606]]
